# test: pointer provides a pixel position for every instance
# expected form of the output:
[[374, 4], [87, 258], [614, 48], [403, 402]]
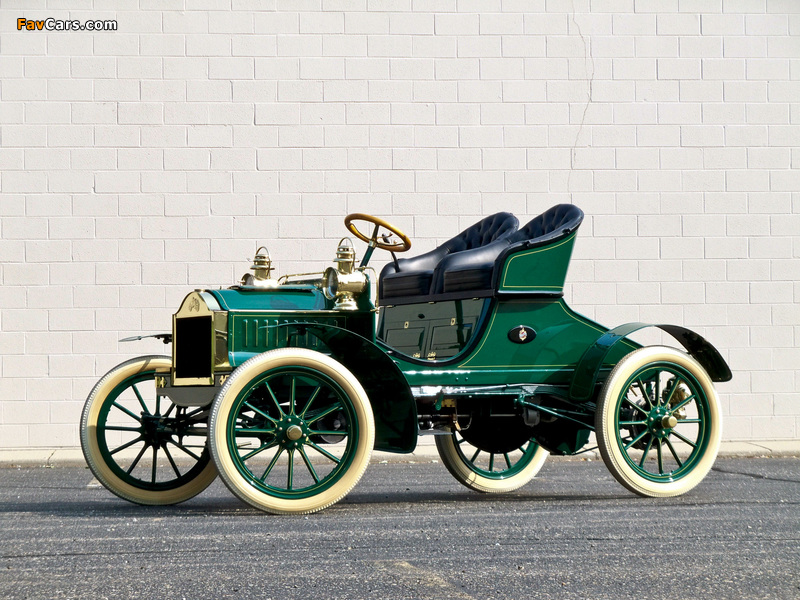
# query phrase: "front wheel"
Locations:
[[658, 422], [486, 470], [292, 431], [140, 445]]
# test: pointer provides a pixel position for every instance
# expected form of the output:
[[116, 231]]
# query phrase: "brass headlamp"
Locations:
[[261, 267], [343, 283]]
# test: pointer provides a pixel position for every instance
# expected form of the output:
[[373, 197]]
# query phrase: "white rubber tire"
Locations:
[[239, 380], [459, 468], [615, 457], [95, 458]]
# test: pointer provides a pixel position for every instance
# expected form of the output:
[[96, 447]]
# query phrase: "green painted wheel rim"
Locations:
[[157, 431], [289, 411], [661, 410], [501, 465]]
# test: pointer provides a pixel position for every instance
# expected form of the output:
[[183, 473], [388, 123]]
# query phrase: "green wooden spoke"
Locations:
[[332, 408], [684, 439], [121, 428], [646, 451], [311, 399], [676, 382], [259, 450], [689, 422], [672, 451], [292, 391], [660, 459], [630, 423], [474, 456], [645, 394], [324, 452], [127, 445], [336, 432], [141, 400], [184, 448], [252, 431], [491, 462], [137, 459], [171, 461], [290, 472], [683, 403], [271, 465], [261, 412], [155, 463], [634, 405], [658, 388], [309, 466], [274, 398], [132, 415], [508, 460], [636, 439]]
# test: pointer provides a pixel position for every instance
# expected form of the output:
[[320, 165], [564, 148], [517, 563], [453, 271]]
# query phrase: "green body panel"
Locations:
[[539, 269], [256, 319], [285, 297], [301, 317], [561, 338]]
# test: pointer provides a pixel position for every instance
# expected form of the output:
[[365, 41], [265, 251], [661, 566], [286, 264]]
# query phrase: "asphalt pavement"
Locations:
[[409, 530]]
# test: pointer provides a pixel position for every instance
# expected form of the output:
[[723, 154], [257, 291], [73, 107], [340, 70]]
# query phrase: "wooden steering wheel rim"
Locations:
[[402, 247]]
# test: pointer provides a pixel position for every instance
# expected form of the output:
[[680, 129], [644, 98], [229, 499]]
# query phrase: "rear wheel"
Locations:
[[493, 470], [658, 422], [292, 431], [140, 445]]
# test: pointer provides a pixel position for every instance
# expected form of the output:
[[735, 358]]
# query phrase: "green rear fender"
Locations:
[[393, 405], [585, 379]]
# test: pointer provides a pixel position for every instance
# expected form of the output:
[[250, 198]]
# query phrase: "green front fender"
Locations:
[[585, 378], [393, 405]]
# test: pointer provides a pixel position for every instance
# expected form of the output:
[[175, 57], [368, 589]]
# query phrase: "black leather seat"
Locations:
[[416, 275], [475, 269]]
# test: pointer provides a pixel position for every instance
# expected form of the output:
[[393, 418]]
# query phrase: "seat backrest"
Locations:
[[485, 231], [557, 221]]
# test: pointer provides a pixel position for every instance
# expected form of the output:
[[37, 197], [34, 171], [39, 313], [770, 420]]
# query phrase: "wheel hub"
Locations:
[[661, 421], [292, 432], [156, 427]]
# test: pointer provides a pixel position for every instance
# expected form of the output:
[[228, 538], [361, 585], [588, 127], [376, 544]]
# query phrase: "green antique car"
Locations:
[[284, 387]]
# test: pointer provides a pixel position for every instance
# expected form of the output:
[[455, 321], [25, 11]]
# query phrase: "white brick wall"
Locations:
[[139, 164]]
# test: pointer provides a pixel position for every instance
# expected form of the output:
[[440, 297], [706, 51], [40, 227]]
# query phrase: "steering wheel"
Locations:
[[375, 240]]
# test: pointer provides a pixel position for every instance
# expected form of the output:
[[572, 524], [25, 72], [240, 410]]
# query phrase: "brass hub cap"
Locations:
[[294, 433], [669, 421]]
